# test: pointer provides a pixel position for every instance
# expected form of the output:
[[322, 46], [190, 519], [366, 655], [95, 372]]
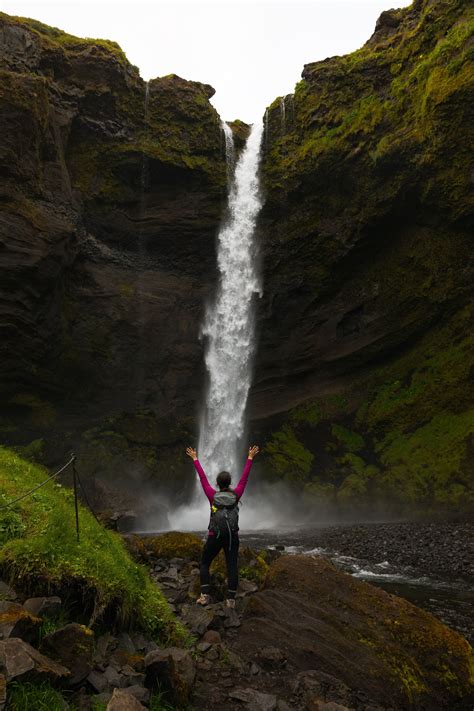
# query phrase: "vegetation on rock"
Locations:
[[367, 182], [40, 552]]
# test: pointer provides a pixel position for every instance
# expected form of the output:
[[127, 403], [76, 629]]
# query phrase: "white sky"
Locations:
[[250, 52]]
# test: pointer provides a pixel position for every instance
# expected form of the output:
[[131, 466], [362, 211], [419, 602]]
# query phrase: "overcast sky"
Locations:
[[250, 52]]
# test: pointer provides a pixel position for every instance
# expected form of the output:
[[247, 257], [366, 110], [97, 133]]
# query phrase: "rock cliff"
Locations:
[[111, 195], [366, 321]]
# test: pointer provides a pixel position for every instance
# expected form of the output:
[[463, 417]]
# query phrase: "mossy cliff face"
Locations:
[[365, 322], [111, 198]]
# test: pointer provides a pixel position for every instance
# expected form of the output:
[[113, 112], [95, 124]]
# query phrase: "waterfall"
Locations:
[[283, 114], [267, 129], [229, 151], [229, 321], [229, 331]]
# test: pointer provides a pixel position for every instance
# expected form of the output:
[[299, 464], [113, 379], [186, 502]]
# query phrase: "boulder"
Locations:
[[173, 544], [15, 621], [198, 619], [113, 677], [380, 647], [254, 700], [231, 618], [173, 669], [22, 662], [98, 681], [125, 642], [246, 587], [43, 606], [139, 692], [122, 700], [73, 646], [318, 690], [212, 636], [271, 657]]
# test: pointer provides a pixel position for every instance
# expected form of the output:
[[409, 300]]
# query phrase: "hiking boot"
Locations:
[[203, 599], [230, 602]]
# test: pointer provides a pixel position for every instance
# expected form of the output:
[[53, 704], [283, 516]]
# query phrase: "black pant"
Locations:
[[231, 552]]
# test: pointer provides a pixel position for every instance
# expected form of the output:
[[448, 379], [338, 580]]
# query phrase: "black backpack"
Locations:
[[224, 513]]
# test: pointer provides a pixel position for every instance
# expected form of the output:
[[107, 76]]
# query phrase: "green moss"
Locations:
[[350, 441], [410, 676], [55, 36], [44, 554], [356, 488], [174, 545], [346, 105], [432, 463], [287, 455]]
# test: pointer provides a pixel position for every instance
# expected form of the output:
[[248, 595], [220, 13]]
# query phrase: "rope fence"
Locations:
[[76, 481]]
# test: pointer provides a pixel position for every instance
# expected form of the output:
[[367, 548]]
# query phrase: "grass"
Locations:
[[33, 697], [41, 554]]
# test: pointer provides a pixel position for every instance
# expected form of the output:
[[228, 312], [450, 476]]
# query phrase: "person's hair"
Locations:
[[223, 480]]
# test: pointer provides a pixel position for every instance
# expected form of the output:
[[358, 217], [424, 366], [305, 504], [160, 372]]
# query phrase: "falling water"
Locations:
[[229, 151], [267, 135], [283, 114], [229, 321]]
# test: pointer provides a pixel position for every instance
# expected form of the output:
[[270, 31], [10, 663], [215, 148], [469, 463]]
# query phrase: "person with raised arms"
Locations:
[[223, 529]]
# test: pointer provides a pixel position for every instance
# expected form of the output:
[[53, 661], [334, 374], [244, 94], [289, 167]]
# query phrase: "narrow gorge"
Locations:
[[112, 197], [173, 278]]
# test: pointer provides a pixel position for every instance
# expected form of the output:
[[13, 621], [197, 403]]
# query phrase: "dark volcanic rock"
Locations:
[[20, 661], [43, 606], [16, 621], [122, 700], [100, 299], [366, 320], [339, 626], [73, 646], [173, 669], [254, 700]]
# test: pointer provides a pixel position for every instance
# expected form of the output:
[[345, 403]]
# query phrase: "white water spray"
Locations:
[[229, 321], [229, 329]]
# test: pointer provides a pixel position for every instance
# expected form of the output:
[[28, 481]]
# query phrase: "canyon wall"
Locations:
[[366, 323], [111, 197]]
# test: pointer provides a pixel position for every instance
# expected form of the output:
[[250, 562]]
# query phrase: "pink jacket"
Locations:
[[210, 491]]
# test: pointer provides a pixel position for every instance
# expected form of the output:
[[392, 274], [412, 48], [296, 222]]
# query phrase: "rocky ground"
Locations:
[[303, 635]]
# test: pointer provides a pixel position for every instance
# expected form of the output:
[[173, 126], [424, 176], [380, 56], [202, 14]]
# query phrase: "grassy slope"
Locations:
[[40, 553]]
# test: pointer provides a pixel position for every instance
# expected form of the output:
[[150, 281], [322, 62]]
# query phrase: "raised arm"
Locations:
[[240, 488], [208, 490]]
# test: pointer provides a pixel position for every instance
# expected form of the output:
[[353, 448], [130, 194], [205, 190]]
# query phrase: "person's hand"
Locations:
[[191, 453], [253, 451]]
